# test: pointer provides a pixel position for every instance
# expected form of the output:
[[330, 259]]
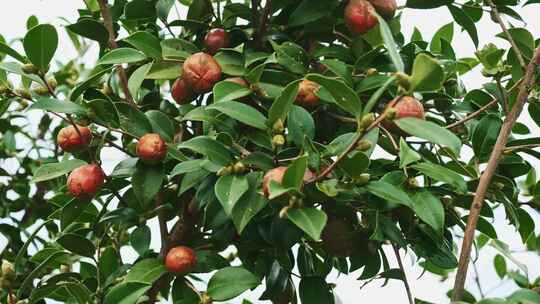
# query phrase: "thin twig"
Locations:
[[473, 114], [405, 281], [351, 147], [487, 175], [107, 19], [263, 25], [477, 280], [495, 13]]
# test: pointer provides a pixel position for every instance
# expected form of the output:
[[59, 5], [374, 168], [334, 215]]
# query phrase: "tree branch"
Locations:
[[495, 13], [263, 25], [107, 19], [405, 281], [486, 177]]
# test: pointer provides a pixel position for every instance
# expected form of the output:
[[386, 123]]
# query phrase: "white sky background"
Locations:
[[426, 287]]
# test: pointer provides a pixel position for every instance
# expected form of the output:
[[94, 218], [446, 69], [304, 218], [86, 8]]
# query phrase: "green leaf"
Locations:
[[55, 105], [229, 189], [390, 44], [389, 192], [422, 4], [241, 112], [427, 74], [430, 131], [105, 111], [40, 44], [446, 33], [407, 155], [344, 95], [126, 293], [300, 125], [140, 239], [500, 266], [248, 205], [6, 49], [442, 174], [429, 209], [377, 95], [132, 120], [49, 259], [54, 170], [163, 7], [310, 220], [19, 261], [485, 135], [230, 282], [315, 290], [165, 70], [91, 29], [161, 124], [282, 105], [147, 182], [15, 68], [94, 77], [465, 21], [292, 57], [228, 90], [137, 78], [188, 166], [310, 11], [122, 55], [182, 293], [146, 43], [209, 147], [146, 271], [294, 175], [77, 244]]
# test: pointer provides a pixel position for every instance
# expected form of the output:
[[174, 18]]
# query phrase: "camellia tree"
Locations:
[[248, 129]]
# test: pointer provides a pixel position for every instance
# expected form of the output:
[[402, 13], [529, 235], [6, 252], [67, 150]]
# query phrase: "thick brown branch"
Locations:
[[263, 25], [487, 175], [497, 16], [107, 19]]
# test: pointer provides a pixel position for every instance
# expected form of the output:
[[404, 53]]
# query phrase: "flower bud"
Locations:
[[283, 212], [30, 69], [8, 272], [239, 167], [403, 80], [371, 72], [41, 91], [362, 179], [23, 93], [278, 127], [364, 145], [367, 120], [225, 171]]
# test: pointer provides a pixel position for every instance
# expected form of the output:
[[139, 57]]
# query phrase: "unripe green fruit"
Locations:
[[278, 140], [278, 126], [225, 171], [412, 182], [239, 167], [364, 145], [30, 69], [367, 120], [41, 91], [52, 83], [403, 80], [24, 93], [3, 90], [362, 179], [8, 273]]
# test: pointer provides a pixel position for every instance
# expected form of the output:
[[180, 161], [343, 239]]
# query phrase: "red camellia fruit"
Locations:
[[180, 260], [277, 174], [201, 71], [407, 106], [85, 181], [387, 8], [307, 93], [216, 39], [181, 92], [151, 148], [359, 16], [71, 141]]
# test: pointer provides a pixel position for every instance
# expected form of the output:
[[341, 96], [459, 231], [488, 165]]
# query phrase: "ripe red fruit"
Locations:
[[307, 93], [201, 72], [216, 39], [85, 181], [407, 106], [277, 174], [359, 16], [151, 148], [180, 260], [181, 92], [71, 141], [387, 8]]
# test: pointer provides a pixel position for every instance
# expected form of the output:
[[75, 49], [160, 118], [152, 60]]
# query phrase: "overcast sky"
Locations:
[[427, 287]]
